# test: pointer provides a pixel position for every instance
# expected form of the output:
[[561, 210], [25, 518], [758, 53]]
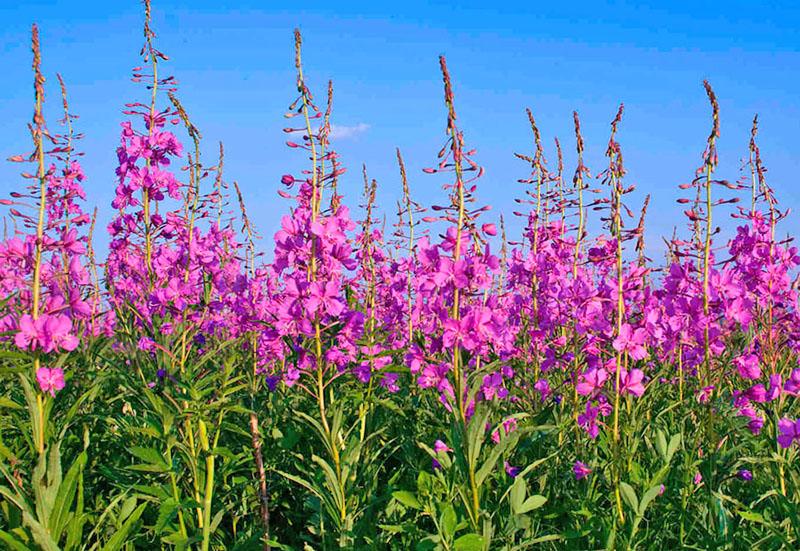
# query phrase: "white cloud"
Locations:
[[344, 132], [338, 132]]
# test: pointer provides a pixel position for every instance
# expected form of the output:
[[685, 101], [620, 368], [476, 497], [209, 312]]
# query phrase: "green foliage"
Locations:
[[129, 466]]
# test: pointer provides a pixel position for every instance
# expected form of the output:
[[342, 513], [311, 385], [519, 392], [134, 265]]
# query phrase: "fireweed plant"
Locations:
[[426, 385]]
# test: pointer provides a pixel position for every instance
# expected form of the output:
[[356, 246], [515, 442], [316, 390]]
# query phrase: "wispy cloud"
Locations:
[[345, 132], [338, 132]]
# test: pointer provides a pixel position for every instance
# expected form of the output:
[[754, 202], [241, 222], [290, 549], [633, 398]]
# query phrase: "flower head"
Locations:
[[581, 470], [50, 379]]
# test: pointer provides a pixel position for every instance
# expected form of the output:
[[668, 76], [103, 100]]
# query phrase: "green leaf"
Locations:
[[9, 403], [216, 520], [66, 496], [149, 468], [13, 543], [448, 521], [166, 512], [425, 483], [121, 536], [127, 508], [648, 497], [407, 498], [149, 455], [488, 466], [548, 537], [751, 516], [533, 502], [40, 534], [300, 481], [469, 542], [674, 445], [661, 444], [518, 493], [629, 495]]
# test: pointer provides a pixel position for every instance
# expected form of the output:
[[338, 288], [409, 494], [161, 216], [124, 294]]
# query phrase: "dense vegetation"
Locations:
[[437, 386]]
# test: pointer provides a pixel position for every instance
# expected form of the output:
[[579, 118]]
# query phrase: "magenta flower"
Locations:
[[588, 420], [581, 470], [789, 432], [705, 394], [48, 332], [792, 385], [454, 333], [745, 475], [492, 386], [50, 379], [757, 393], [775, 386], [508, 426], [631, 341], [324, 296], [489, 229], [543, 388], [592, 381], [511, 470], [747, 366], [631, 381], [439, 446], [756, 421]]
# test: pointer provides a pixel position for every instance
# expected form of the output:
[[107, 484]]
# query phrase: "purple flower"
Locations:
[[745, 475], [511, 470], [440, 447], [632, 341], [591, 381], [324, 297], [747, 366], [792, 385], [48, 332], [631, 381], [588, 420], [50, 379], [705, 394], [543, 388], [581, 470], [789, 432]]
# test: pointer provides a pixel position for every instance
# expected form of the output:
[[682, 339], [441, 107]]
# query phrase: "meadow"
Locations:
[[422, 381]]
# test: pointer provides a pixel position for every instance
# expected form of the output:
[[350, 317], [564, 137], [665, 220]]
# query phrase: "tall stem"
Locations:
[[456, 149], [38, 131]]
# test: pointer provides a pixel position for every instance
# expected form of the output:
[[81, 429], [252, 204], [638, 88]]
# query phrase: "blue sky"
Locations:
[[235, 65]]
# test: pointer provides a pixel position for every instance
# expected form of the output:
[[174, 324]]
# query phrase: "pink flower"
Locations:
[[705, 394], [508, 426], [775, 386], [440, 446], [631, 381], [325, 297], [511, 470], [789, 432], [581, 470], [591, 381], [46, 332], [747, 366], [543, 388], [588, 420], [50, 380], [631, 341], [792, 386], [489, 229]]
